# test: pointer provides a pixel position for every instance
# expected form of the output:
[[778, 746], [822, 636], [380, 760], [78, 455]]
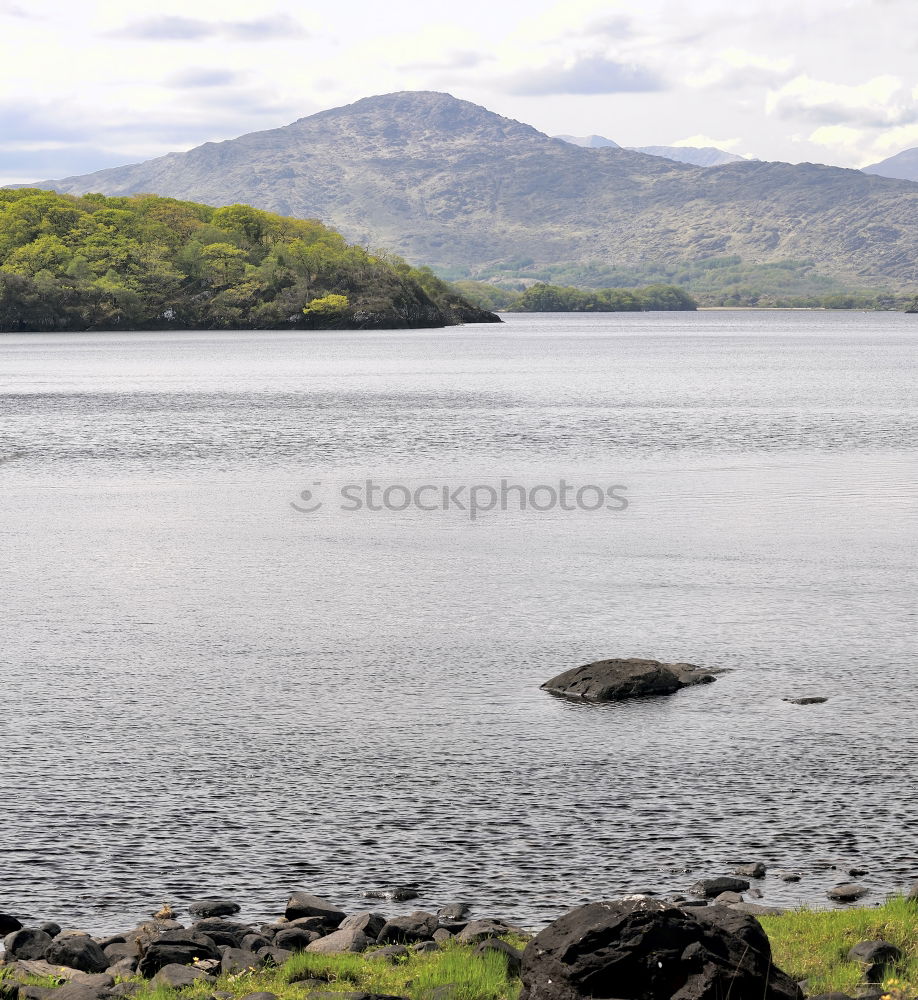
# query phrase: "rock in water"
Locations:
[[213, 908], [848, 892], [615, 680], [305, 904], [644, 949]]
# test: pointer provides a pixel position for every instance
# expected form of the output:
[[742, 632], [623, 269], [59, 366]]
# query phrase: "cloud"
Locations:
[[171, 28], [204, 78], [879, 103], [736, 69], [588, 75], [461, 59]]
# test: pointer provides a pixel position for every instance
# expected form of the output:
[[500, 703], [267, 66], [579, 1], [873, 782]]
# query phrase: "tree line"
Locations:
[[141, 262]]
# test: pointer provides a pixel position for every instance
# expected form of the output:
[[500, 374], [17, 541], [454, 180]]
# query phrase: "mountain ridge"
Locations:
[[446, 182]]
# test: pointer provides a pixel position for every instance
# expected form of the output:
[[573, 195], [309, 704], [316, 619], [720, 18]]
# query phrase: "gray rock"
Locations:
[[236, 960], [422, 947], [807, 700], [50, 928], [441, 935], [304, 904], [80, 991], [391, 953], [728, 897], [751, 869], [454, 911], [492, 946], [121, 949], [77, 951], [27, 943], [912, 894], [878, 952], [417, 926], [351, 939], [8, 924], [260, 996], [848, 892], [252, 942], [123, 968], [213, 908], [177, 977], [617, 679], [712, 887], [176, 948], [274, 956], [479, 930], [789, 876], [125, 989], [295, 939], [222, 931], [370, 923]]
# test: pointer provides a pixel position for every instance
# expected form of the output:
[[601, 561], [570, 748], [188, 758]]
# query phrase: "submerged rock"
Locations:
[[213, 908], [808, 700], [615, 680], [849, 892]]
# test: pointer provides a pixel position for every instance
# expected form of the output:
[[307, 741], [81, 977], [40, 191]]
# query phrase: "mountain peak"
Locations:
[[427, 114]]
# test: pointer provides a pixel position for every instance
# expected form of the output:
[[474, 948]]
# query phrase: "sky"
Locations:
[[93, 85]]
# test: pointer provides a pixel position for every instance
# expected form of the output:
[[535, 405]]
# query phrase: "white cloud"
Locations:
[[879, 102]]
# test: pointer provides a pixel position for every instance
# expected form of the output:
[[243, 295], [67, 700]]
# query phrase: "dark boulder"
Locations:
[[213, 908], [494, 946], [370, 923], [644, 949], [807, 700], [255, 941], [304, 904], [8, 924], [123, 968], [77, 952], [848, 892], [478, 930], [80, 991], [454, 911], [236, 960], [121, 949], [50, 928], [176, 948], [712, 887], [223, 932], [27, 943], [614, 680], [417, 926], [879, 951], [295, 939], [273, 956]]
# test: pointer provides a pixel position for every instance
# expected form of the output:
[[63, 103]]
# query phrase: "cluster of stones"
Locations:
[[169, 954]]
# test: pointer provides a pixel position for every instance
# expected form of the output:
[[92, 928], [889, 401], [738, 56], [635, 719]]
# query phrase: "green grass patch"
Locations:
[[814, 944], [474, 977]]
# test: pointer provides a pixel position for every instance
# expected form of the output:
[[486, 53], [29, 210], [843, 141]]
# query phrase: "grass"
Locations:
[[473, 977], [814, 944]]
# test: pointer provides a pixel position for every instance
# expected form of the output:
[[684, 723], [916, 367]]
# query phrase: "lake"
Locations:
[[258, 635]]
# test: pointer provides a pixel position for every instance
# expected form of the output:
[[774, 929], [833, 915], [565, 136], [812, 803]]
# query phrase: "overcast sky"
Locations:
[[92, 85]]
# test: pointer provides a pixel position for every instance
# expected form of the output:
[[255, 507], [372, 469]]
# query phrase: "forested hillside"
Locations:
[[91, 262]]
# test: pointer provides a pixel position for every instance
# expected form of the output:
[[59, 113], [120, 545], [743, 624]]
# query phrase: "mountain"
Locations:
[[590, 141], [699, 156], [903, 166], [447, 183]]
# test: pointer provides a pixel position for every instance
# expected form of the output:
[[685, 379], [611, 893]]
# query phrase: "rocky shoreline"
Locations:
[[714, 929]]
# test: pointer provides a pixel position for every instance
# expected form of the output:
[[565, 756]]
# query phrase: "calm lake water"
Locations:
[[209, 691]]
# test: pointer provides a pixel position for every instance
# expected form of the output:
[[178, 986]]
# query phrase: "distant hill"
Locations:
[[448, 183], [590, 141], [903, 166], [699, 156]]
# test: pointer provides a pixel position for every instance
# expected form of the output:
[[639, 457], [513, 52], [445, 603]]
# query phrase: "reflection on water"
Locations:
[[207, 691]]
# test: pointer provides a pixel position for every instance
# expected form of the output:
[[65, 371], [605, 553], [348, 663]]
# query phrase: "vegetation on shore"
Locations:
[[813, 945], [810, 945], [543, 297], [141, 262], [712, 281]]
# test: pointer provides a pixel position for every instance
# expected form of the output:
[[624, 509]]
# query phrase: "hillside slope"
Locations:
[[451, 184], [903, 166]]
